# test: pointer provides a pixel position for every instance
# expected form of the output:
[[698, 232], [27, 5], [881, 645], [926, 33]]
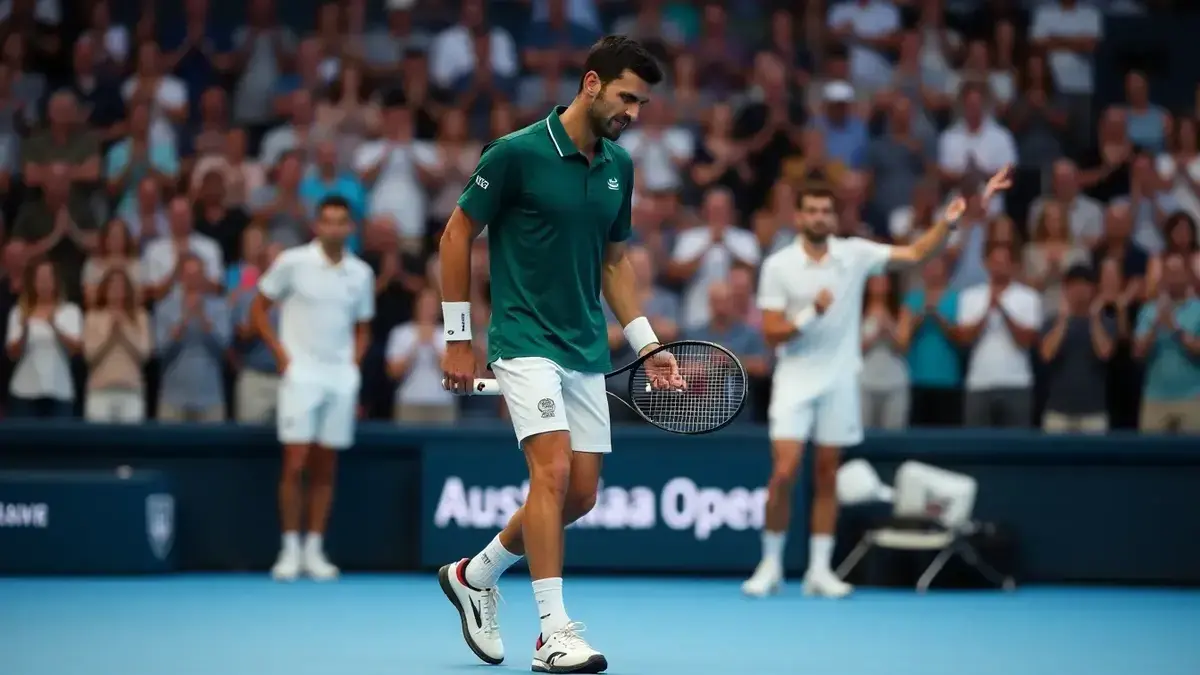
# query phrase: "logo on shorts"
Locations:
[[479, 387], [546, 407]]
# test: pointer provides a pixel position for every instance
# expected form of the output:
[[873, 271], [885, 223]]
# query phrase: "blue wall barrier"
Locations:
[[1114, 508]]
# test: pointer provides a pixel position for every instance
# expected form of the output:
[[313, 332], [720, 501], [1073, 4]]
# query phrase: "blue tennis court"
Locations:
[[402, 625]]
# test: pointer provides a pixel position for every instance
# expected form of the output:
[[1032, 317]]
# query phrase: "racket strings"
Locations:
[[716, 388]]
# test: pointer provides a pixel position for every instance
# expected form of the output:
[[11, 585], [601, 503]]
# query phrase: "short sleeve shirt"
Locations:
[[550, 215]]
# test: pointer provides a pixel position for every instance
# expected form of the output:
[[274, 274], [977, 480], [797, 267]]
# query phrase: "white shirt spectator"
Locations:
[[422, 384], [831, 346], [161, 256], [655, 156], [997, 361], [171, 93], [44, 370], [988, 149], [1072, 70], [875, 18], [736, 245], [452, 55], [48, 12], [397, 191], [320, 304], [1183, 193]]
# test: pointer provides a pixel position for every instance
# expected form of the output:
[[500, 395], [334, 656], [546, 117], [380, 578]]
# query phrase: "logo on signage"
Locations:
[[18, 515], [160, 524]]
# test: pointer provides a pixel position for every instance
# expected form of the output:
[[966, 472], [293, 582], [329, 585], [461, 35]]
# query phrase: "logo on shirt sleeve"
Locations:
[[613, 184], [481, 182]]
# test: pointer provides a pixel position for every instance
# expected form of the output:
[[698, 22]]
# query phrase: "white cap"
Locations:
[[399, 5], [838, 91]]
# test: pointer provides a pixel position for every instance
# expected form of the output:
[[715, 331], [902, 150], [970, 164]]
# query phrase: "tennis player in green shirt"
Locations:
[[555, 197]]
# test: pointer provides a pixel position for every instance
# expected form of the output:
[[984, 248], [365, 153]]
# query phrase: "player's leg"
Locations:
[[296, 425], [790, 423], [335, 433], [532, 389], [560, 648], [838, 426]]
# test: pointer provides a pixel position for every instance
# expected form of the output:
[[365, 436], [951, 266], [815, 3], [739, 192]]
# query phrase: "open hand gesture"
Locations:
[[1001, 181], [662, 370]]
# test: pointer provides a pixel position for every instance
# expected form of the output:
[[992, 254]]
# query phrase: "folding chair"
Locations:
[[931, 512]]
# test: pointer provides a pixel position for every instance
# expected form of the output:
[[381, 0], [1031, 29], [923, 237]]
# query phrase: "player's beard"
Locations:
[[817, 235], [605, 125]]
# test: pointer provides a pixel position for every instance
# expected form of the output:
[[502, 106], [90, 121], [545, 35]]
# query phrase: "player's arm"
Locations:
[[618, 282], [777, 327], [272, 287], [935, 238], [364, 314]]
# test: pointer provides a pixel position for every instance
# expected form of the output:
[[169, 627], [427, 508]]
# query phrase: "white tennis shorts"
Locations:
[[318, 405], [833, 418], [543, 396]]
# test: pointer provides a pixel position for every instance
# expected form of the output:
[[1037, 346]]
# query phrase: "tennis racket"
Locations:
[[714, 395]]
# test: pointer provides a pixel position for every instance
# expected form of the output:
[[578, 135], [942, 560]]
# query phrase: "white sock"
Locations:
[[773, 544], [820, 552], [291, 542], [548, 595], [484, 570], [314, 543]]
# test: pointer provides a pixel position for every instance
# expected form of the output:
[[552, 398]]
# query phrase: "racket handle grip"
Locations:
[[483, 387]]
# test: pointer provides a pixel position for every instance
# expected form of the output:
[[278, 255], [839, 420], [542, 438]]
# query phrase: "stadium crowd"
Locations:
[[150, 172]]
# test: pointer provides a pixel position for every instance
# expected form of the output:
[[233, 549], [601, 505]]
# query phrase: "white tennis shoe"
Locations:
[[318, 566], [288, 565], [824, 583], [477, 610], [766, 580], [565, 651]]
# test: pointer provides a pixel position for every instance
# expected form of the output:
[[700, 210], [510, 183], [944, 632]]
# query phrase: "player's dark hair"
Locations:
[[333, 201], [614, 54], [815, 192]]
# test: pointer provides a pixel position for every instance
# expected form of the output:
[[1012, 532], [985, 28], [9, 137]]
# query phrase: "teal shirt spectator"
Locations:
[[933, 359], [313, 189], [1172, 374], [159, 156]]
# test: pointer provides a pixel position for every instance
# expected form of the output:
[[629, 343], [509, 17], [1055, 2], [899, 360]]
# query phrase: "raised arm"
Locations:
[[934, 239]]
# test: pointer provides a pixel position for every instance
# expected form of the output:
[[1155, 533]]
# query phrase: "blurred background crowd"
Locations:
[[153, 162]]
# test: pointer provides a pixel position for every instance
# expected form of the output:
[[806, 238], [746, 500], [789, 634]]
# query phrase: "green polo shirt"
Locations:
[[550, 215]]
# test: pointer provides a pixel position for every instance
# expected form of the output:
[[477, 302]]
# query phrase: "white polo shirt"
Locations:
[[1072, 71], [831, 347], [320, 304], [997, 361]]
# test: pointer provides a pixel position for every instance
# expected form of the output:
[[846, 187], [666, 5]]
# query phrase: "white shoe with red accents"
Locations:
[[565, 651], [477, 610]]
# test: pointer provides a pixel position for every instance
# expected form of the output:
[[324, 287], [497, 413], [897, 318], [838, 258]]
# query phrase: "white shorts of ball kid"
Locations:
[[318, 405], [543, 396], [832, 418]]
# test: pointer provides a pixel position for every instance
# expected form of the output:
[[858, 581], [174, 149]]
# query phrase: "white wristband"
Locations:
[[639, 334], [805, 317], [456, 321]]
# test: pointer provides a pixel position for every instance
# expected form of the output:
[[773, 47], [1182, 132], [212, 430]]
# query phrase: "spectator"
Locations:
[[166, 95], [414, 353], [472, 59], [296, 136], [705, 253], [994, 79], [1180, 234], [116, 250], [660, 150], [107, 40], [278, 206], [216, 219], [1109, 166], [869, 26], [394, 169], [1168, 340], [1148, 125], [386, 46], [1076, 347], [59, 226], [1124, 383], [262, 48], [256, 387], [325, 179], [975, 144], [308, 75], [968, 246], [1118, 244], [1051, 254], [137, 157], [98, 88], [245, 269], [692, 103], [1036, 117], [844, 133], [1085, 215], [907, 221], [999, 321], [243, 176], [721, 58], [1180, 167], [726, 327], [1149, 203], [63, 143], [145, 217], [116, 345], [1068, 31], [742, 295], [28, 84], [765, 119], [553, 53], [813, 165], [652, 26], [775, 224], [163, 258], [896, 161], [884, 377], [192, 331], [789, 47], [208, 134], [939, 44], [927, 324], [346, 113], [457, 156], [910, 82], [43, 335]]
